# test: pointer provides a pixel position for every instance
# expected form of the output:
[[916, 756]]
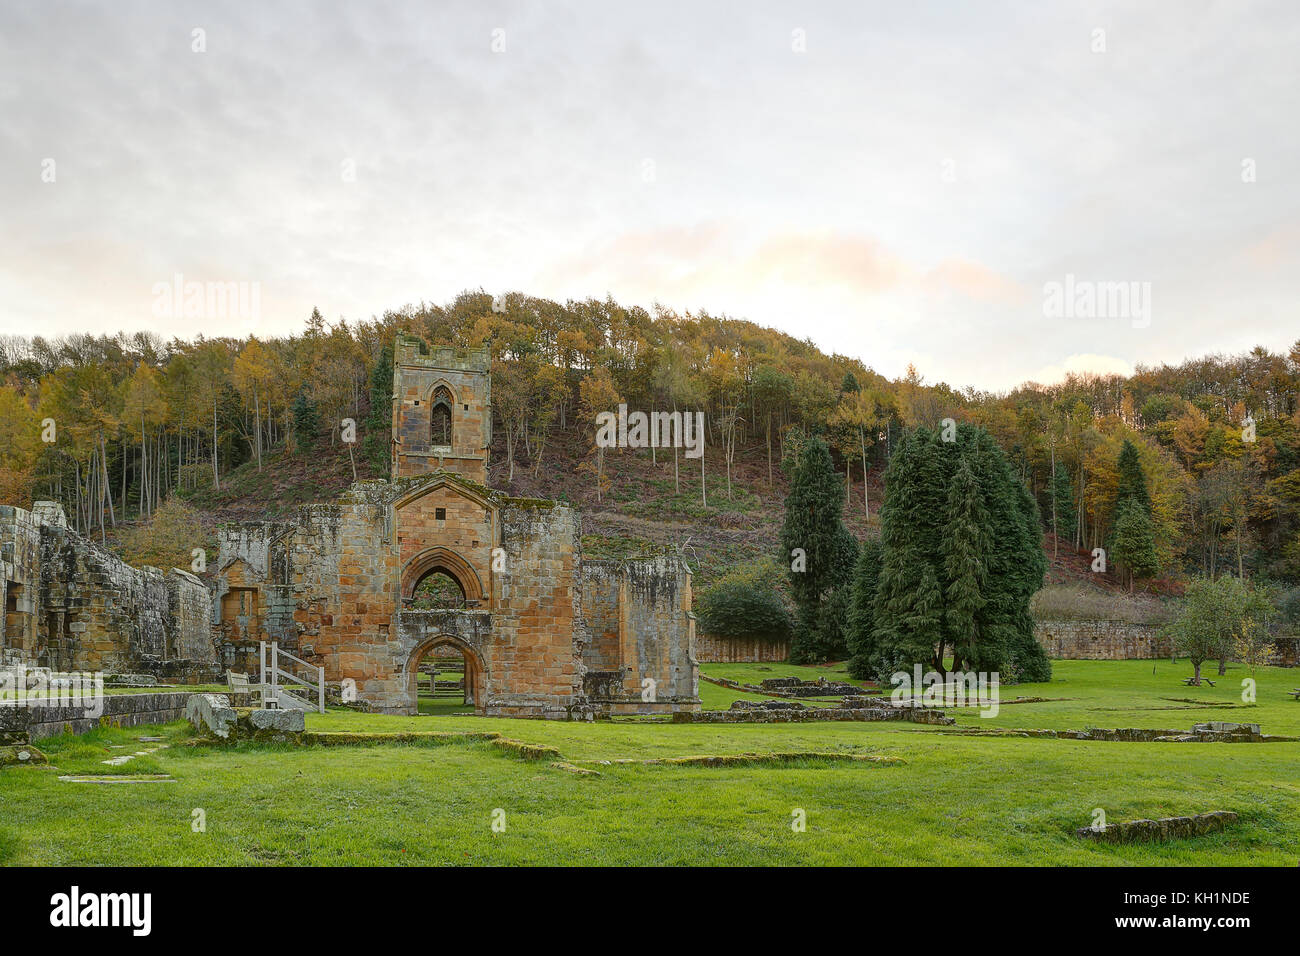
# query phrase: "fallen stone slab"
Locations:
[[120, 778], [211, 713], [1158, 831], [22, 755], [289, 721]]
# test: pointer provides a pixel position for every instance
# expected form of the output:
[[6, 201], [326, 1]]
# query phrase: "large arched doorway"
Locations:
[[445, 676]]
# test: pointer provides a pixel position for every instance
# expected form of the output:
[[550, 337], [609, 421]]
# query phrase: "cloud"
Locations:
[[1082, 363], [710, 259]]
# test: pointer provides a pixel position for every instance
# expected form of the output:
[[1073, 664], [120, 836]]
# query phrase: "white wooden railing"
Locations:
[[272, 673]]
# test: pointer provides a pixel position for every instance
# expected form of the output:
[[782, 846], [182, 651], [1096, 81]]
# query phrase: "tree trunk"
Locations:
[[216, 475], [769, 450]]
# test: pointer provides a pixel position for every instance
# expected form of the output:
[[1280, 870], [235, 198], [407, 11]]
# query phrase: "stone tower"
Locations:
[[442, 410]]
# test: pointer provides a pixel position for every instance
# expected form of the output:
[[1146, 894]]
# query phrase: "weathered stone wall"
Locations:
[[20, 581], [322, 585], [536, 609], [74, 605], [335, 584], [1101, 640], [418, 371], [740, 650], [601, 585], [120, 710], [657, 633], [329, 586]]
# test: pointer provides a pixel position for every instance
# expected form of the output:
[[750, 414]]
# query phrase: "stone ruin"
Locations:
[[543, 631], [69, 605], [821, 687], [792, 711]]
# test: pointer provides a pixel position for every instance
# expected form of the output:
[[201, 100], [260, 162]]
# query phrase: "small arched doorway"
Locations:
[[445, 676]]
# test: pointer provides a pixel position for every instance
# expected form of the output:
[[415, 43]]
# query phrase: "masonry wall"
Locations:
[[80, 607], [601, 585], [325, 588], [418, 370], [657, 632], [30, 723], [1101, 640], [740, 650], [536, 668], [20, 581]]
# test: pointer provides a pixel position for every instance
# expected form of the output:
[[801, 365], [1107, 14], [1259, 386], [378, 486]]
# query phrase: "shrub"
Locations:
[[745, 602]]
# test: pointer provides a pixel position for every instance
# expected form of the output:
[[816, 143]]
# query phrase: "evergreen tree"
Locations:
[[862, 643], [306, 421], [961, 556], [963, 550], [820, 553], [377, 445], [1133, 545], [1132, 480]]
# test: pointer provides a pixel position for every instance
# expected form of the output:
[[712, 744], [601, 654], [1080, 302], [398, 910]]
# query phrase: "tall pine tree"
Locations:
[[1132, 480], [862, 611], [820, 553]]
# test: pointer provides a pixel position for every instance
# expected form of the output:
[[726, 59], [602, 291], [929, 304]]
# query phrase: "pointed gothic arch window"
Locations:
[[440, 416]]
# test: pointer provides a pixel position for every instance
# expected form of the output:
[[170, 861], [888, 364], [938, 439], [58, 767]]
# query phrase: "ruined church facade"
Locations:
[[543, 632]]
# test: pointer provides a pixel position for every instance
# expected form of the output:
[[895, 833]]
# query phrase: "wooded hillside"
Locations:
[[237, 426]]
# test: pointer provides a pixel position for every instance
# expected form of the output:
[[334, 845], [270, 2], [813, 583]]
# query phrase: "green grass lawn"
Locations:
[[956, 800]]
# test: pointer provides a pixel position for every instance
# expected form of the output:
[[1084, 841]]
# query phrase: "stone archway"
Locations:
[[445, 561], [475, 670]]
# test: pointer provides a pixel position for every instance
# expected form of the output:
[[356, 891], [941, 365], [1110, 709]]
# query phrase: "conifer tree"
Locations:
[[377, 444], [964, 549], [961, 556], [820, 553], [1133, 545], [862, 642], [1132, 480], [306, 421]]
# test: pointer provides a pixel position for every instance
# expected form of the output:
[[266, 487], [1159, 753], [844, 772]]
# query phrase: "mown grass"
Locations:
[[955, 800]]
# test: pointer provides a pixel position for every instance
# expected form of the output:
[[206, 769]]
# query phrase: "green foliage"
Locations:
[[1133, 545], [862, 611], [1214, 614], [1061, 493], [166, 540], [745, 602], [306, 421], [377, 444], [961, 559], [1132, 480], [820, 552]]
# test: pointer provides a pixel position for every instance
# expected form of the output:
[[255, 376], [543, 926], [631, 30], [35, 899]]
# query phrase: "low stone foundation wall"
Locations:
[[740, 650], [1157, 831], [1101, 640], [791, 712], [24, 722]]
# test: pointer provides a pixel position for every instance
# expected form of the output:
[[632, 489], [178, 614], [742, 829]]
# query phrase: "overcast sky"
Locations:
[[897, 181]]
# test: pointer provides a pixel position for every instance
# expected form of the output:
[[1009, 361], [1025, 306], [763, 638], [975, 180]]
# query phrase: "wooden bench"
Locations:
[[239, 683], [1189, 681]]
